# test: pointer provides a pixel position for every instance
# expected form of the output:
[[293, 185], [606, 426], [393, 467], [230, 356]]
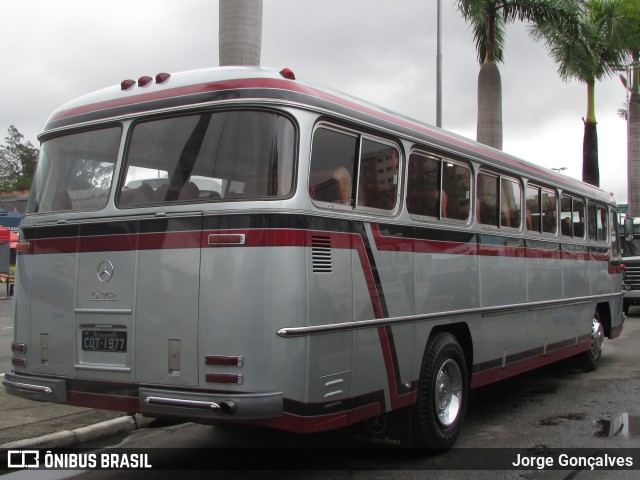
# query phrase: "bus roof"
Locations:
[[233, 84]]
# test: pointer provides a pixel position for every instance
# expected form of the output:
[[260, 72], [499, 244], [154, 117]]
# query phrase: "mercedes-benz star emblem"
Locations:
[[105, 271]]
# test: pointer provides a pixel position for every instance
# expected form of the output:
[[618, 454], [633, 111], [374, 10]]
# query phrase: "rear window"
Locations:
[[75, 172], [211, 156]]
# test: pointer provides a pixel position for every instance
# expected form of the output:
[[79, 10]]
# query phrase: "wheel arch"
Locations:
[[604, 312]]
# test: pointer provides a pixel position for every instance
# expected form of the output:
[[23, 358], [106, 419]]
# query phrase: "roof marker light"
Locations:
[[144, 80], [162, 77], [127, 84], [288, 73]]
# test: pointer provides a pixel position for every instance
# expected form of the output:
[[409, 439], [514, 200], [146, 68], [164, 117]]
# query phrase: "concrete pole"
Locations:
[[240, 32]]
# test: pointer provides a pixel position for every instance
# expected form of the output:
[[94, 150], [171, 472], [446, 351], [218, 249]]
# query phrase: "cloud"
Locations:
[[382, 51]]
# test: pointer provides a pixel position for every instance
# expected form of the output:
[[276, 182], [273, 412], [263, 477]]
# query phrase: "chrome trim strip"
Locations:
[[106, 311], [176, 402], [25, 387], [102, 368], [290, 332]]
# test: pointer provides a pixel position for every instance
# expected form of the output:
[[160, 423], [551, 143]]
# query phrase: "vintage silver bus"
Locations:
[[236, 245]]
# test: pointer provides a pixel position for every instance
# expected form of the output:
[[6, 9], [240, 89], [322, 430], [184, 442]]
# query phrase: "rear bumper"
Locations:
[[153, 402]]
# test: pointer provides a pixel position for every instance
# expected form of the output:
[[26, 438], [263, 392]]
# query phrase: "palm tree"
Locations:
[[630, 38], [488, 19], [240, 32], [587, 55]]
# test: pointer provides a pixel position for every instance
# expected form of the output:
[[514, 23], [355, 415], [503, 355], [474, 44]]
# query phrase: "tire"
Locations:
[[442, 394], [588, 361]]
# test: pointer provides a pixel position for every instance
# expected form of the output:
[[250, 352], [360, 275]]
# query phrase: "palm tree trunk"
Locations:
[[489, 131], [240, 32], [590, 169], [633, 145]]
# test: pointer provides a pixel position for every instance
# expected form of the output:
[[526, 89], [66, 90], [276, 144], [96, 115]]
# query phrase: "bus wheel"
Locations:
[[442, 393], [589, 360]]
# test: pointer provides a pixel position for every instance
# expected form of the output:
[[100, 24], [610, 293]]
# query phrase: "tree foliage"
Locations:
[[18, 161]]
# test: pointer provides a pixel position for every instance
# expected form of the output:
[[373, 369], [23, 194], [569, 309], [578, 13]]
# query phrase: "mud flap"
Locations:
[[391, 429]]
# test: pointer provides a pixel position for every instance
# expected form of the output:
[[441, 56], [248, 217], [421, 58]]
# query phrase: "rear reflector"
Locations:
[[227, 239], [19, 362], [223, 361], [223, 378], [19, 347]]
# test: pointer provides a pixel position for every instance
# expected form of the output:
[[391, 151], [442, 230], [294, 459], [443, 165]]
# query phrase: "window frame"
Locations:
[[360, 136], [541, 190], [573, 197], [130, 128], [442, 160], [500, 177]]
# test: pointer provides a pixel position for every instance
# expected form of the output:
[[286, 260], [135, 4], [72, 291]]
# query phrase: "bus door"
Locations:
[[166, 309], [136, 309]]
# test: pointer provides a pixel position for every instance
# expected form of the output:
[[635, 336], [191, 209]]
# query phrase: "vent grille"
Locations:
[[321, 254]]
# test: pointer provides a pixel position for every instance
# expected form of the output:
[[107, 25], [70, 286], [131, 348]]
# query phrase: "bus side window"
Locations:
[[532, 203], [332, 163], [549, 212], [601, 228], [456, 191], [566, 221], [423, 188], [578, 218], [592, 219], [487, 199], [378, 175], [510, 203]]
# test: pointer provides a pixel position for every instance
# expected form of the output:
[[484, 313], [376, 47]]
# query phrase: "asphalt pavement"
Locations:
[[30, 424]]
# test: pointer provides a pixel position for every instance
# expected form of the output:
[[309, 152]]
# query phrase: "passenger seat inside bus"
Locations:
[[189, 191]]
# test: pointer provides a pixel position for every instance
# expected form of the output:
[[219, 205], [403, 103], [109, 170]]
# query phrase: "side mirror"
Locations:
[[628, 228]]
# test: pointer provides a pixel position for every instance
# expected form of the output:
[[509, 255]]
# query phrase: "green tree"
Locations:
[[488, 19], [588, 55], [17, 162]]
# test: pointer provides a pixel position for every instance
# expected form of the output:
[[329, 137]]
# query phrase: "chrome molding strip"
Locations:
[[290, 332], [104, 311], [102, 368], [25, 387], [176, 402]]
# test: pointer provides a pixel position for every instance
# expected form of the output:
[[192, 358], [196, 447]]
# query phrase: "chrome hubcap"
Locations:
[[448, 392], [597, 338]]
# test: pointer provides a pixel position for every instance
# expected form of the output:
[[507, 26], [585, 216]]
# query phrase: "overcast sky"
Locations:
[[381, 50]]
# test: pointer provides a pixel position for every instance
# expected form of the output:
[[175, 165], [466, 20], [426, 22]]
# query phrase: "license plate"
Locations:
[[104, 341]]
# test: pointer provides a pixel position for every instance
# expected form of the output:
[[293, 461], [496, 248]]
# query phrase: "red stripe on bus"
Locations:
[[285, 85], [515, 368], [103, 401], [320, 423], [397, 400]]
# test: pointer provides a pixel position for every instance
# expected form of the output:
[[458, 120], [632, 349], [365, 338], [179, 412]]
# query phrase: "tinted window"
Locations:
[[75, 172], [510, 203], [209, 157], [423, 188], [333, 158], [378, 175]]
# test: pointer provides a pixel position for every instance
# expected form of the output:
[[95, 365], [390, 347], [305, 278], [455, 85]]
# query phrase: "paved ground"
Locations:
[[22, 419]]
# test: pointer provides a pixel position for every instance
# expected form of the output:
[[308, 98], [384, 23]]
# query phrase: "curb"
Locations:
[[69, 438]]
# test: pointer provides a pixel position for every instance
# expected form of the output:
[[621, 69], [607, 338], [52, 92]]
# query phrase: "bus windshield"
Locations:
[[207, 157], [75, 171], [630, 248]]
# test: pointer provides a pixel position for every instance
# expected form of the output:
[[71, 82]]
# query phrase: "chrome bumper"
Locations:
[[36, 388]]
